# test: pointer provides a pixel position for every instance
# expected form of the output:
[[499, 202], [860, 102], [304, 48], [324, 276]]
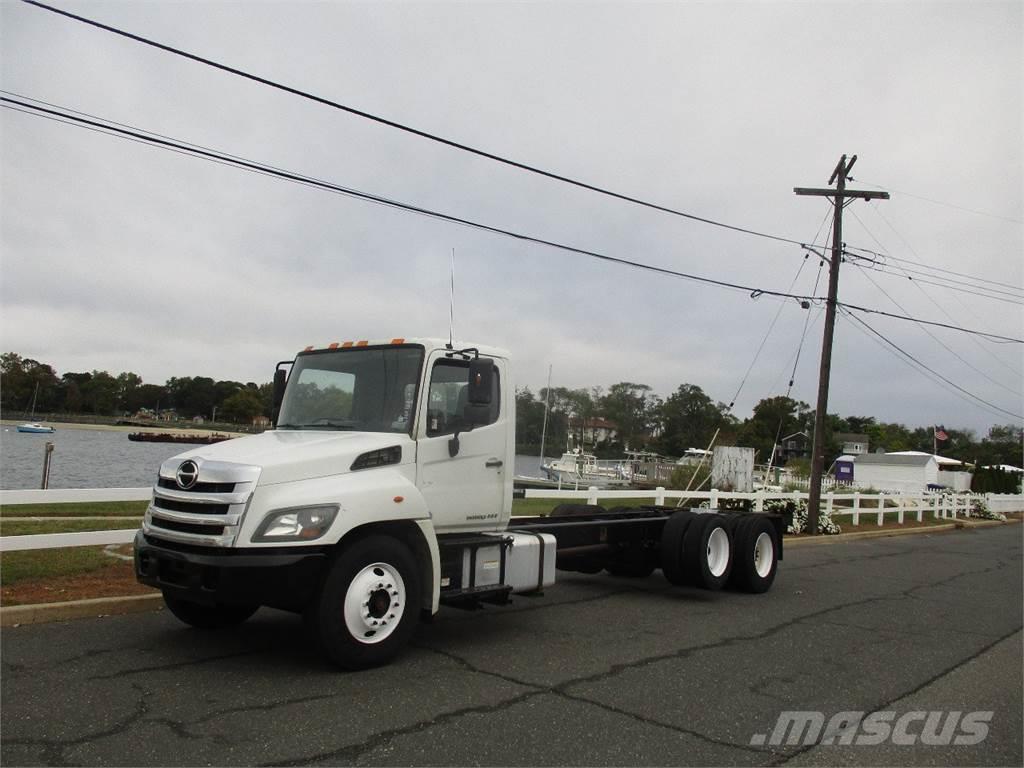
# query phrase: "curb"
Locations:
[[42, 613], [886, 532]]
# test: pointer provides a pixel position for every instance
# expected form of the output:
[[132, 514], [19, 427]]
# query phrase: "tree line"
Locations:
[[101, 393], [689, 418]]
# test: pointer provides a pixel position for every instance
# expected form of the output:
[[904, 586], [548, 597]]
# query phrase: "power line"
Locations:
[[977, 342], [907, 274], [406, 128], [881, 259], [253, 166], [153, 139], [934, 373], [938, 340], [940, 202]]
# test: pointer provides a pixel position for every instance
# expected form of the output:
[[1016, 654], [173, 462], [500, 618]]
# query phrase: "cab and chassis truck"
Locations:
[[384, 491]]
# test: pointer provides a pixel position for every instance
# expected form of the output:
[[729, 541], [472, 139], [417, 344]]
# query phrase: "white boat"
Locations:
[[36, 428], [580, 469], [33, 426]]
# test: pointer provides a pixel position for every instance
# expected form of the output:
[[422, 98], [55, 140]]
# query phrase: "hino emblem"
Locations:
[[187, 474]]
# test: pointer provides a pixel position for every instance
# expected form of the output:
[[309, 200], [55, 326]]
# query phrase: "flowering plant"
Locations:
[[981, 509], [826, 524]]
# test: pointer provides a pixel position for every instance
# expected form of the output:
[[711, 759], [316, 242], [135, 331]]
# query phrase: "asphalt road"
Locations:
[[600, 671]]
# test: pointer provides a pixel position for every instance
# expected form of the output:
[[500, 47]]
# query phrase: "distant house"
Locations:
[[595, 430], [896, 472], [853, 445], [795, 446], [261, 422]]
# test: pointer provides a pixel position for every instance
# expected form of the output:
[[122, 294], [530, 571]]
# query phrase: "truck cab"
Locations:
[[403, 444]]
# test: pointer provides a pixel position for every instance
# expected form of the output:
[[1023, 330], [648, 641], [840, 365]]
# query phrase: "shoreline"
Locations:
[[157, 429]]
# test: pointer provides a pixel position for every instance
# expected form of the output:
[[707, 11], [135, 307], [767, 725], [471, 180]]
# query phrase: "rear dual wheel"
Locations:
[[756, 560], [696, 550]]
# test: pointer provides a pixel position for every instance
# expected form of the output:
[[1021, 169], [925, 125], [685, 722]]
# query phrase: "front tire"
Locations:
[[204, 616], [367, 609]]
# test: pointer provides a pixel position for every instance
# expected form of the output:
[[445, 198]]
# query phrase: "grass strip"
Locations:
[[29, 527], [76, 509], [17, 567]]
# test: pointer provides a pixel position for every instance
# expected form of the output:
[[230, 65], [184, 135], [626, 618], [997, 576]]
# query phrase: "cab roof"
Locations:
[[428, 343]]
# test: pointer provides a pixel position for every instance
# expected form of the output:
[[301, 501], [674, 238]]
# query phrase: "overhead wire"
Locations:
[[977, 342], [991, 407], [775, 319], [151, 139], [939, 341], [880, 264], [404, 127], [193, 150], [940, 202]]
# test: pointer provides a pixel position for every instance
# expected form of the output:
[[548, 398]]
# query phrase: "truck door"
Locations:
[[466, 491]]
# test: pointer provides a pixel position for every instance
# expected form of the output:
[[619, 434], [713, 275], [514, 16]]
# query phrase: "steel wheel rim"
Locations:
[[374, 603], [718, 551], [764, 554]]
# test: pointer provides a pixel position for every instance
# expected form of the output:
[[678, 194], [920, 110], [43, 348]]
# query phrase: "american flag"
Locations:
[[940, 434]]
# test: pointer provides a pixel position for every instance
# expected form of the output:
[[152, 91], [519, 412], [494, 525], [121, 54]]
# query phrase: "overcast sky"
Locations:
[[118, 256]]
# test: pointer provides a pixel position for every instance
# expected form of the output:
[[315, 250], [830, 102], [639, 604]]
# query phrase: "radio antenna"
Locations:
[[451, 306]]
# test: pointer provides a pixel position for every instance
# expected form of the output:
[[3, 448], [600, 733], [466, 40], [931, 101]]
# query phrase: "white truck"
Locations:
[[384, 491]]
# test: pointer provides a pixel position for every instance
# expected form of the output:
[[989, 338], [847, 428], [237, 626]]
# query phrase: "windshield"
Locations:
[[371, 389]]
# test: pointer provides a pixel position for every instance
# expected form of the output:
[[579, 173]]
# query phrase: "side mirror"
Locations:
[[481, 380], [279, 381]]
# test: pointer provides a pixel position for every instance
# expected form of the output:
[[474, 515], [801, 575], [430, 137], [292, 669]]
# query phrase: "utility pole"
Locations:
[[839, 196]]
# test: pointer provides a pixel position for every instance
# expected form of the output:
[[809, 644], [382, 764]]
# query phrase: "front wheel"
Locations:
[[368, 606], [204, 616]]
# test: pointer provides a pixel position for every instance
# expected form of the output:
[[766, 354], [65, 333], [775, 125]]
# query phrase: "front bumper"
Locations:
[[286, 577]]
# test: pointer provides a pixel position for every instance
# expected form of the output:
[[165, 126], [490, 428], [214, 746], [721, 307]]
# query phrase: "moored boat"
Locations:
[[36, 428], [167, 437]]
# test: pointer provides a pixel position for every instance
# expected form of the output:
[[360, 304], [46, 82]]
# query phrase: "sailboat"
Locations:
[[33, 426]]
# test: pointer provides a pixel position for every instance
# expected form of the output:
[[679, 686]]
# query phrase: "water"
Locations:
[[93, 458], [82, 458]]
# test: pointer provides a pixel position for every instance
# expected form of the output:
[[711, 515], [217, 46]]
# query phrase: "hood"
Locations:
[[286, 455]]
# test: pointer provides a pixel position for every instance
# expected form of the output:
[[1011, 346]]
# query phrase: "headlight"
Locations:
[[296, 524]]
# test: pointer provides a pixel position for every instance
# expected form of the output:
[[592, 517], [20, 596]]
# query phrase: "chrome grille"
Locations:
[[210, 512]]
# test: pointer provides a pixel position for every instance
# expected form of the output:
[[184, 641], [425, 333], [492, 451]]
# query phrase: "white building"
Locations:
[[896, 472], [952, 473]]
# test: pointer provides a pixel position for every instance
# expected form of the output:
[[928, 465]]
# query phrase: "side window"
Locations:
[[447, 397]]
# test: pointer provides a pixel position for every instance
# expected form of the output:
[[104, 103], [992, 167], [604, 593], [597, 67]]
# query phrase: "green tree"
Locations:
[[529, 422], [23, 380], [242, 407], [100, 394], [633, 408], [774, 417], [689, 419]]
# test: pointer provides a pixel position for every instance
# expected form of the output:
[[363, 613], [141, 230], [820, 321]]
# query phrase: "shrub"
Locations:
[[981, 510], [826, 524]]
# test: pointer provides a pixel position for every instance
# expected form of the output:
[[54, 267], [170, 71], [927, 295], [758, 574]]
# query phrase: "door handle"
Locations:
[[493, 463]]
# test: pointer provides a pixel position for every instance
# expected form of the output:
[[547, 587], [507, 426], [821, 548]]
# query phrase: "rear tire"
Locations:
[[707, 552], [756, 555], [368, 606], [672, 546], [203, 616]]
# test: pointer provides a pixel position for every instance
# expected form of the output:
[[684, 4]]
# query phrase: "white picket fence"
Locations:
[[836, 504], [854, 506]]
